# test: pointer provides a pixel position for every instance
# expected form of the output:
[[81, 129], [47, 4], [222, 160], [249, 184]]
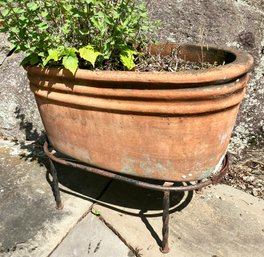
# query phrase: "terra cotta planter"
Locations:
[[159, 125]]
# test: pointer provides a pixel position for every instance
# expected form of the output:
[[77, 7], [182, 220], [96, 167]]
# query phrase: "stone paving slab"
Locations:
[[221, 222], [30, 226], [92, 238]]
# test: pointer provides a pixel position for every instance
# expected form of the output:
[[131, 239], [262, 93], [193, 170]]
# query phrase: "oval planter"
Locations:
[[158, 125]]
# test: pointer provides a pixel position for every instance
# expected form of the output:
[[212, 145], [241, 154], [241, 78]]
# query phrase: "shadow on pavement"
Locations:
[[126, 199]]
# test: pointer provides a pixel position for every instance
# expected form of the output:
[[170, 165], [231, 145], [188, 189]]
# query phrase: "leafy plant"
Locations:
[[102, 34]]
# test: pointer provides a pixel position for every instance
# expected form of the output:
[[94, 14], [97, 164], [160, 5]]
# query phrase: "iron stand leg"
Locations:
[[199, 190], [55, 186], [166, 188], [165, 219]]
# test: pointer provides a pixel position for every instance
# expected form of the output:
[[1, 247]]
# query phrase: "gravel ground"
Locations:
[[246, 172]]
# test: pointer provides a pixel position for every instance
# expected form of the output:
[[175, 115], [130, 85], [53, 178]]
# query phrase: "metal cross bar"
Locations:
[[167, 187]]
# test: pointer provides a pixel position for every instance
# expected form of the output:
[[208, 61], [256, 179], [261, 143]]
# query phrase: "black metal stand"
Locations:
[[55, 186], [166, 188]]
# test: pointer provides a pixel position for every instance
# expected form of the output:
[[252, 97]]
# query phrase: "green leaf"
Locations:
[[95, 22], [3, 29], [5, 12], [32, 6], [67, 51], [84, 31], [89, 54], [53, 55], [25, 61], [70, 63], [34, 59], [66, 29], [43, 25], [96, 212], [60, 25], [44, 14], [30, 59], [127, 58]]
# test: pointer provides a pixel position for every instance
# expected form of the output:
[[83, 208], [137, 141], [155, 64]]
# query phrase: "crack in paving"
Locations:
[[7, 55], [135, 251], [94, 201]]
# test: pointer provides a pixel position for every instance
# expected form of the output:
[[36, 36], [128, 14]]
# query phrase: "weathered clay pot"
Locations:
[[160, 125]]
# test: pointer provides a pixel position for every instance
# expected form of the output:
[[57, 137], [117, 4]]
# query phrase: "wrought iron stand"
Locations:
[[166, 188]]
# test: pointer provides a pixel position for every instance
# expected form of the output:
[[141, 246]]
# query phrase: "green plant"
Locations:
[[102, 34]]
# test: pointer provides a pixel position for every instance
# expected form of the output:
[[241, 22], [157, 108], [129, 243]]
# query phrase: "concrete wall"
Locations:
[[238, 24]]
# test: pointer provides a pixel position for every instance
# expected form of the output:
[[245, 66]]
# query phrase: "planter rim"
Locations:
[[174, 126], [242, 64]]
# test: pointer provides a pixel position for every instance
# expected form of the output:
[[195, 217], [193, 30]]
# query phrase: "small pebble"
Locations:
[[243, 186], [248, 178], [255, 192]]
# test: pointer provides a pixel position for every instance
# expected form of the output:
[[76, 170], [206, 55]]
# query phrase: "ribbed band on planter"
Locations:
[[158, 125]]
